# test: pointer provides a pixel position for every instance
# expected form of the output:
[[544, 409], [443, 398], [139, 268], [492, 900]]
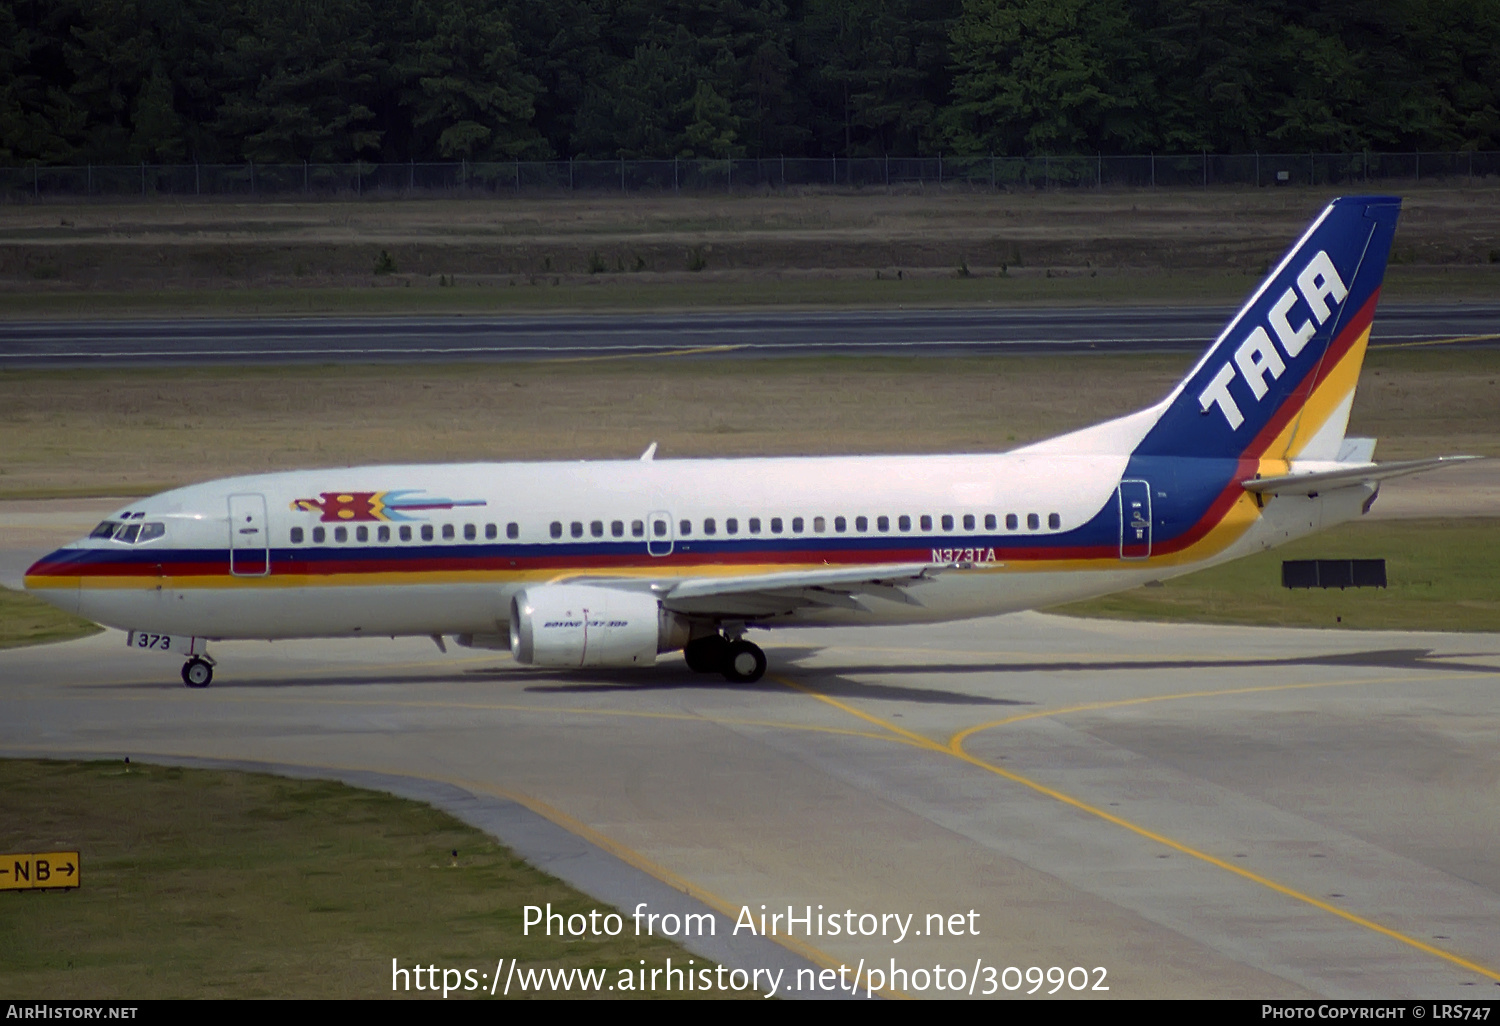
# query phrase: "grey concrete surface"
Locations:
[[1201, 811], [743, 334]]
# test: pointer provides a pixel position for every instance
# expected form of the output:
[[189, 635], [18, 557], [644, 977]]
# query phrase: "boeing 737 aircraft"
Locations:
[[609, 564]]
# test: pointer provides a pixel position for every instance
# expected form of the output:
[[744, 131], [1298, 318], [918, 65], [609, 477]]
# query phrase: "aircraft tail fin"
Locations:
[[1279, 381]]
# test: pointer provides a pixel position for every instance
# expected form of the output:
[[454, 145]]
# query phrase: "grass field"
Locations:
[[125, 432], [29, 621], [208, 884], [937, 248], [1444, 575]]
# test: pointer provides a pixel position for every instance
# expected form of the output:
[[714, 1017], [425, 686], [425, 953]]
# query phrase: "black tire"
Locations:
[[196, 673], [744, 663], [706, 654]]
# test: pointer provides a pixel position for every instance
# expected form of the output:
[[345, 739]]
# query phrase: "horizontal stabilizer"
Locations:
[[1325, 480]]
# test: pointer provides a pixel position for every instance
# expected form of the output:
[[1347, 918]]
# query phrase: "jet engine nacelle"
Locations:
[[583, 625]]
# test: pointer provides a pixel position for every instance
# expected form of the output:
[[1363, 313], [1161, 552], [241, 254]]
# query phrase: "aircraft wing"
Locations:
[[1324, 480], [755, 595]]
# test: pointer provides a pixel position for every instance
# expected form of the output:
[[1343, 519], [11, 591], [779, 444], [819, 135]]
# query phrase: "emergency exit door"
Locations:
[[1135, 519]]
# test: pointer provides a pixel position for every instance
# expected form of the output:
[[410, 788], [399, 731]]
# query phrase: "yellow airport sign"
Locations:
[[39, 871]]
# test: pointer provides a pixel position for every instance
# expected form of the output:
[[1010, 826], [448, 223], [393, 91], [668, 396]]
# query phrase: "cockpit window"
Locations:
[[104, 530], [133, 534]]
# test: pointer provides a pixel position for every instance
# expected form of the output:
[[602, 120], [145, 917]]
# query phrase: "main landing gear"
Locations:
[[739, 661], [197, 672]]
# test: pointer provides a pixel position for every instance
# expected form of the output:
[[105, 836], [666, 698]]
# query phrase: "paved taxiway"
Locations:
[[1200, 810], [745, 334]]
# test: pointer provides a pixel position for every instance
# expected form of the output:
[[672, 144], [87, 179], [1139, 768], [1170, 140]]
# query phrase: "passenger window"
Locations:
[[319, 535], [152, 531], [448, 531], [1011, 523], [839, 523], [427, 532], [491, 532], [340, 534], [708, 525], [405, 533], [755, 525], [557, 528], [861, 523], [596, 528], [903, 523], [731, 526], [926, 522], [775, 525], [796, 525], [968, 521], [362, 534], [296, 536], [659, 528], [685, 528], [383, 534], [882, 523], [617, 528], [1054, 521], [576, 529], [1033, 521], [819, 525], [512, 530], [638, 528], [947, 521], [470, 532], [989, 521]]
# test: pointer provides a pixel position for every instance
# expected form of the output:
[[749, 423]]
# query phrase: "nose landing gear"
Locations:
[[740, 661], [197, 672]]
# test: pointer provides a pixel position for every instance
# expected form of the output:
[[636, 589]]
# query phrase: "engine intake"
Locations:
[[583, 625]]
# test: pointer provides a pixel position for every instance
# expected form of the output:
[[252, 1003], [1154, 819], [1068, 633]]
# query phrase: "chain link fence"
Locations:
[[1202, 170]]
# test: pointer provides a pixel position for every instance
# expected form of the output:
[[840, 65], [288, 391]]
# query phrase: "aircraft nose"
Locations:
[[54, 579]]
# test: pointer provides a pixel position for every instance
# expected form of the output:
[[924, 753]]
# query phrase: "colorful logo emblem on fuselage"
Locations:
[[344, 507]]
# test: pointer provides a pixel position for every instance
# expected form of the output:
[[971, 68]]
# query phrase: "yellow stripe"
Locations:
[[955, 749], [1337, 386]]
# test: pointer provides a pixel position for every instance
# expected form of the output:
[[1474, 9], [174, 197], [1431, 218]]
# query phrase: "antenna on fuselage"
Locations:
[[649, 454]]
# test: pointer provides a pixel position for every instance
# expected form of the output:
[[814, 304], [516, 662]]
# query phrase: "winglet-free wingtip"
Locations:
[[649, 454]]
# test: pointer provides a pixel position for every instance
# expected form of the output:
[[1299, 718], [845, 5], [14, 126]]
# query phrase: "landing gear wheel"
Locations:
[[706, 654], [196, 673], [744, 663]]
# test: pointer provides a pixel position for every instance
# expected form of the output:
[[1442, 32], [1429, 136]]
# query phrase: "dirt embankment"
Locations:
[[210, 244]]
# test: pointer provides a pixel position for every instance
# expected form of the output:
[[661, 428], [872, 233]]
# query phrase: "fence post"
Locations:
[[252, 178], [729, 176], [88, 187], [622, 174], [1099, 171], [518, 176], [992, 172], [1205, 169], [143, 179], [1257, 169], [887, 170], [36, 189], [570, 174], [304, 178], [1153, 170], [1312, 170], [197, 180], [940, 169], [1046, 172], [783, 169], [1419, 165]]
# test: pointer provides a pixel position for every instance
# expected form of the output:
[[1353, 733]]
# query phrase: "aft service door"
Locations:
[[249, 548], [1135, 519], [659, 534]]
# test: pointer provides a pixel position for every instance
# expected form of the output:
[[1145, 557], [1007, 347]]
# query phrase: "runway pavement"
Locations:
[[742, 334], [1198, 811]]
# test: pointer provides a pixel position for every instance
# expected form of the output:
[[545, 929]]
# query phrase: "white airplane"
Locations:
[[609, 564]]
